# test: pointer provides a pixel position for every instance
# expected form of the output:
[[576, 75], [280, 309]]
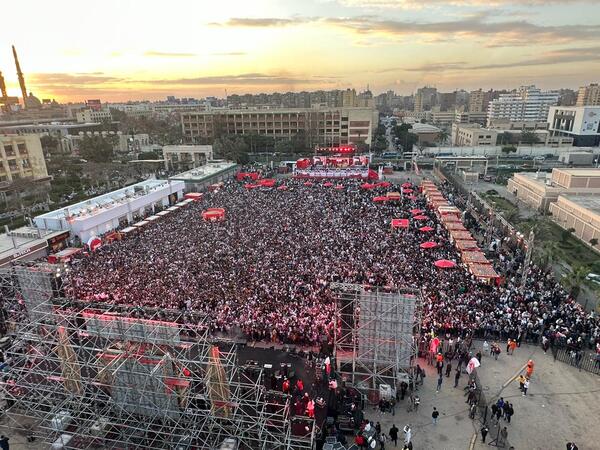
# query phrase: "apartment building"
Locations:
[[21, 156], [92, 115], [186, 157], [528, 103], [320, 126], [588, 95], [472, 135], [425, 98], [582, 123]]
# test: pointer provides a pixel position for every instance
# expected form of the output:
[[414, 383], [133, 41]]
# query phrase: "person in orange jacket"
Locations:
[[530, 368]]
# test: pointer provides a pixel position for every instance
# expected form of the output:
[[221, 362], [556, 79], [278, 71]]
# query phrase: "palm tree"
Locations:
[[574, 280], [442, 137]]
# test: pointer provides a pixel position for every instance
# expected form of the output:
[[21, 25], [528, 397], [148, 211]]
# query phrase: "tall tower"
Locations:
[[20, 76]]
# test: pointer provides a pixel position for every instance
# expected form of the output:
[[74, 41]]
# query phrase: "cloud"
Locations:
[[261, 22], [505, 33], [420, 4], [229, 54], [57, 79], [168, 54], [246, 79]]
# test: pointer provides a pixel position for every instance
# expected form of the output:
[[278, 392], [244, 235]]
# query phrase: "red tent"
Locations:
[[267, 182], [373, 175], [308, 183], [412, 197], [407, 191], [283, 187], [383, 184], [399, 223], [251, 186], [420, 217], [303, 163], [339, 186], [416, 211], [367, 185], [428, 244], [444, 264], [424, 229], [241, 176], [380, 199], [406, 185], [213, 214], [328, 184], [196, 196]]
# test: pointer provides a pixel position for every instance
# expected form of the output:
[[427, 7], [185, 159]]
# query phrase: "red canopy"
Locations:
[[407, 191], [367, 185], [444, 264], [424, 229], [213, 214], [380, 199], [196, 196], [373, 175], [308, 183], [416, 211], [241, 176], [412, 197], [383, 184], [420, 217], [399, 223], [339, 186], [328, 184], [406, 185], [429, 244], [283, 187], [267, 182], [303, 163]]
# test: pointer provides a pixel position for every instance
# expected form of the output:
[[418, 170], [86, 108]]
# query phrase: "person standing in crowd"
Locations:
[[572, 446], [503, 437], [521, 381], [4, 445], [394, 434], [456, 377], [448, 368], [484, 432], [403, 388], [508, 411], [382, 441], [434, 415]]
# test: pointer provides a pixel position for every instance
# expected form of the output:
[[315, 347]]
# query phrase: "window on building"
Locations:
[[9, 150]]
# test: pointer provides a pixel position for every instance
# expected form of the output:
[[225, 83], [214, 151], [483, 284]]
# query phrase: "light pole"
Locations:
[[527, 262]]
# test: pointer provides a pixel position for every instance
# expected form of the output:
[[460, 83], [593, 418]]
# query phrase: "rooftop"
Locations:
[[204, 172], [589, 202], [24, 238], [584, 172], [107, 201], [424, 128]]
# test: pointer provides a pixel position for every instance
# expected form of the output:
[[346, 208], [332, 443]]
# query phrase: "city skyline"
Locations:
[[119, 51]]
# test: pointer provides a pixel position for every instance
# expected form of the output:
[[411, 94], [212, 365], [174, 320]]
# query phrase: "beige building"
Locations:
[[21, 156], [93, 116], [539, 191], [589, 95], [319, 126], [478, 101], [186, 157], [582, 213], [472, 135]]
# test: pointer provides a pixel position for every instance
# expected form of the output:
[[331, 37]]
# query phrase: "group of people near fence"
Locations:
[[267, 269]]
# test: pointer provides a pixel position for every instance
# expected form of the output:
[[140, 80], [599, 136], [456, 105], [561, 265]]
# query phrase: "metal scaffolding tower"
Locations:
[[100, 376], [377, 334]]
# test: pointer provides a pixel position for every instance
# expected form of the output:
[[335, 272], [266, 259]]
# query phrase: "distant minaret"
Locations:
[[3, 86], [20, 76]]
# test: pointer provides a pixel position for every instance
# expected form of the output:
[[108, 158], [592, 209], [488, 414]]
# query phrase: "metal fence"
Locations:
[[581, 359], [484, 416]]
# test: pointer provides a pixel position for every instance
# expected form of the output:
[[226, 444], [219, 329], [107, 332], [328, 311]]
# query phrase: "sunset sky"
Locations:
[[120, 50]]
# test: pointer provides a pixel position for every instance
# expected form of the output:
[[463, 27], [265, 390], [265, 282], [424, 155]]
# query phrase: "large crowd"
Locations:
[[267, 268]]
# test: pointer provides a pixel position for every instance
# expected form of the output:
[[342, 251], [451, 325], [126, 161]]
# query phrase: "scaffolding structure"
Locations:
[[100, 376], [377, 334]]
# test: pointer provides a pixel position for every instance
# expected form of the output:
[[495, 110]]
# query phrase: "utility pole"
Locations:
[[527, 262]]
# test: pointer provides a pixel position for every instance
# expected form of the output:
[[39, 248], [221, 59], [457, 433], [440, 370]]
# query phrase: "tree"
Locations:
[[405, 138], [529, 137], [504, 138], [49, 144], [233, 148], [575, 279], [565, 234], [593, 242], [147, 155], [442, 137], [299, 143], [284, 146], [506, 149], [97, 148]]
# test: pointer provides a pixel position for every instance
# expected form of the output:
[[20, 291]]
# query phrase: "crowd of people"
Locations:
[[268, 267]]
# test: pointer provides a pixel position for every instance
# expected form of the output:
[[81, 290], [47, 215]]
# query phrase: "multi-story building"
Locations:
[[319, 126], [472, 135], [582, 123], [528, 103], [425, 98], [93, 116], [588, 95], [446, 101], [470, 117], [579, 213], [504, 124], [186, 157], [349, 98], [21, 156], [539, 191], [479, 101]]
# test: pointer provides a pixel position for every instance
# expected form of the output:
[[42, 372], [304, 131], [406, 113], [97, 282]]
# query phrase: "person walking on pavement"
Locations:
[[4, 445], [504, 436], [448, 368], [407, 435], [484, 431], [456, 377], [508, 411], [439, 383], [434, 415], [382, 441], [417, 402], [394, 435], [525, 387]]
